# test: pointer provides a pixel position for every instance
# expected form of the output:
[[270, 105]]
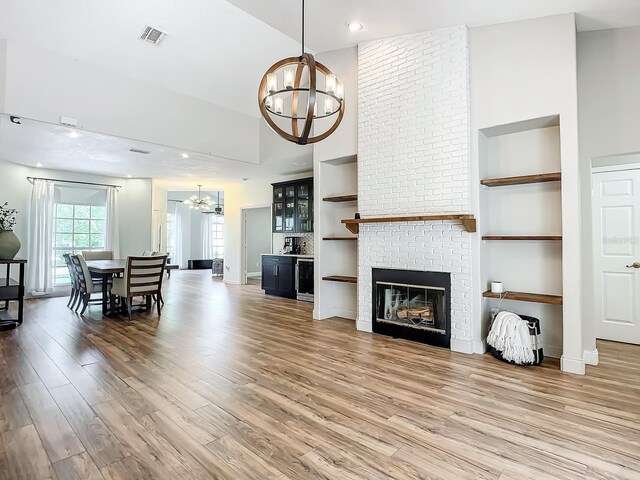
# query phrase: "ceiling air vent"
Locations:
[[137, 150], [152, 35]]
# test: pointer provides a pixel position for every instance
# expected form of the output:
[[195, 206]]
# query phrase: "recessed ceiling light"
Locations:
[[355, 26], [39, 165], [185, 155], [73, 134]]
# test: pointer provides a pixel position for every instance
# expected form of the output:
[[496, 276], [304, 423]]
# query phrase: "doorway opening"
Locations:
[[256, 241]]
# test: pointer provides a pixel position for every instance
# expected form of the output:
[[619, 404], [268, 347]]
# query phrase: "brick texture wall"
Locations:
[[413, 158]]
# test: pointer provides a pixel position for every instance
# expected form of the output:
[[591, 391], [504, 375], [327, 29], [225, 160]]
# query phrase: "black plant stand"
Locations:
[[10, 290]]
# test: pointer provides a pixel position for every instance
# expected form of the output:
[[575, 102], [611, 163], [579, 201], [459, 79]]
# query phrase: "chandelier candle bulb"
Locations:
[[330, 83], [279, 105], [272, 82], [328, 106], [340, 91], [268, 102], [288, 78], [315, 109]]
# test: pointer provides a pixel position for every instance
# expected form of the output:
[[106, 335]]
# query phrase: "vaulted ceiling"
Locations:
[[217, 50]]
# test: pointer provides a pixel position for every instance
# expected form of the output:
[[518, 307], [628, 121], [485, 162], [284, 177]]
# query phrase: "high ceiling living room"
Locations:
[[319, 239]]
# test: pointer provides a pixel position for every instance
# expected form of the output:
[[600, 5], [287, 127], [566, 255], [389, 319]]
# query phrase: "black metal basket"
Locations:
[[534, 331]]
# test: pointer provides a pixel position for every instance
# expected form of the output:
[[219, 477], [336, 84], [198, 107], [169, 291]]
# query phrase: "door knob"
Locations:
[[634, 265]]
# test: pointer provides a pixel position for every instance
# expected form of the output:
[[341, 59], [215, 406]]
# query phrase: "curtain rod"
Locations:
[[31, 179]]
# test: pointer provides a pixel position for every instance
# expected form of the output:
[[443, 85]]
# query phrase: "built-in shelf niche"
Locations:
[[520, 243], [338, 263]]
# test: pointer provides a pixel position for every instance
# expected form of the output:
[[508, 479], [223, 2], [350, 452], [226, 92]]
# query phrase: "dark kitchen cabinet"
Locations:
[[293, 206], [278, 275]]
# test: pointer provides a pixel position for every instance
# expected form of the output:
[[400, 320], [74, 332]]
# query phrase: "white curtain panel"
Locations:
[[39, 268], [112, 228], [183, 229], [207, 239]]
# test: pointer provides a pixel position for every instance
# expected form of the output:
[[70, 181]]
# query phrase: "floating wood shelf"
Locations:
[[340, 238], [522, 180], [468, 221], [526, 297], [341, 198], [340, 278], [522, 237]]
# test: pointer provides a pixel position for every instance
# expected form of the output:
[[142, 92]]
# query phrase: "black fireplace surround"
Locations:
[[412, 304]]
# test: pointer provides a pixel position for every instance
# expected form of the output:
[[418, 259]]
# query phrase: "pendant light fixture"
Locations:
[[289, 95], [197, 202]]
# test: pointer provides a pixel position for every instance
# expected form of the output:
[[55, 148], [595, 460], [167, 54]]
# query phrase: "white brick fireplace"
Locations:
[[413, 158]]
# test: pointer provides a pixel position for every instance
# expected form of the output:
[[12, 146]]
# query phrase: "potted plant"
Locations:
[[9, 243]]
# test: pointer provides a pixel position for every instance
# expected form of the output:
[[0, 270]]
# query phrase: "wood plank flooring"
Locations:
[[232, 384]]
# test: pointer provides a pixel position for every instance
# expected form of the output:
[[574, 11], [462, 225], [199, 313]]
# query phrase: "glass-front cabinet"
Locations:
[[278, 209], [304, 207], [290, 209], [293, 206]]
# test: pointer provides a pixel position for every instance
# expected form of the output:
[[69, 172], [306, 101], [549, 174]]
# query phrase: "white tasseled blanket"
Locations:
[[510, 335]]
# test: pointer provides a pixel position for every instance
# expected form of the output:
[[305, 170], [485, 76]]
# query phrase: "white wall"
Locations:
[[258, 234], [3, 73], [134, 197], [44, 86], [609, 113], [520, 71]]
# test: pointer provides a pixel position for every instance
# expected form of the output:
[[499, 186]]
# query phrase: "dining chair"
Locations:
[[97, 254], [75, 292], [85, 284], [142, 277]]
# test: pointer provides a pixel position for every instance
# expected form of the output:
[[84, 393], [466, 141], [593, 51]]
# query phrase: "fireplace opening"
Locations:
[[412, 304]]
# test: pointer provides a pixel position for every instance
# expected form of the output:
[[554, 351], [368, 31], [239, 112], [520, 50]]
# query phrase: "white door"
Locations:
[[616, 228]]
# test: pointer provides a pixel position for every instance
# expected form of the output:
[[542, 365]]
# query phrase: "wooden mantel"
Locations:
[[468, 221]]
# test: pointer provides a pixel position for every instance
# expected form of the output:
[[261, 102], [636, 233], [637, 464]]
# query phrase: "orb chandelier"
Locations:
[[197, 202], [291, 99]]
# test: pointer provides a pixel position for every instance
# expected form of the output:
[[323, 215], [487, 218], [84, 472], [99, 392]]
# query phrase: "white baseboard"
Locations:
[[254, 274], [479, 346], [334, 312], [572, 365], [591, 357], [230, 282], [364, 326], [461, 346]]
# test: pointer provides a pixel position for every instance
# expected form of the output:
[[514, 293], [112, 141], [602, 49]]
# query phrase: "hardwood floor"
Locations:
[[232, 384]]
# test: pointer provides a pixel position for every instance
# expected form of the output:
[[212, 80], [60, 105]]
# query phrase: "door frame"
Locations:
[[594, 256], [243, 238]]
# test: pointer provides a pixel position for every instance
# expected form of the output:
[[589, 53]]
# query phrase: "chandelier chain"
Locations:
[[302, 28]]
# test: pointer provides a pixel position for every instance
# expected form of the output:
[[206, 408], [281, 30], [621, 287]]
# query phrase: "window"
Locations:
[[217, 235], [171, 233], [75, 228]]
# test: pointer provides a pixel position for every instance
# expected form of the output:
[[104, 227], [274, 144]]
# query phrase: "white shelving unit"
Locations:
[[337, 260], [521, 223]]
